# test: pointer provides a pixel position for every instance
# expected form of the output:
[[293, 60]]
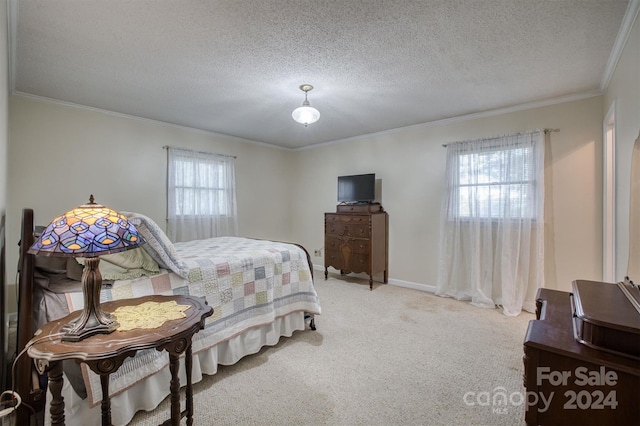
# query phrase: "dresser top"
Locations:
[[360, 208]]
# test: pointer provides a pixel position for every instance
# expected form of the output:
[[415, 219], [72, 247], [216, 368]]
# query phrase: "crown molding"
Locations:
[[145, 120], [629, 19], [462, 118]]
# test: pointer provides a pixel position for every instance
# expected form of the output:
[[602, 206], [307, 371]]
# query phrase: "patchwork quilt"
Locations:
[[247, 282]]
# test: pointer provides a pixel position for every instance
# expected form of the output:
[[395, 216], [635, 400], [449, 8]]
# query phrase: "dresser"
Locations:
[[356, 239]]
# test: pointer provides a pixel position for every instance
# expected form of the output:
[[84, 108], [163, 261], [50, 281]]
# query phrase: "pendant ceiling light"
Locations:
[[306, 114]]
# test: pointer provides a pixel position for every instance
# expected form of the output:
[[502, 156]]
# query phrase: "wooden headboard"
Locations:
[[26, 377]]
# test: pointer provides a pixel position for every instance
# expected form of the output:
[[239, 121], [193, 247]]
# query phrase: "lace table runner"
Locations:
[[148, 314]]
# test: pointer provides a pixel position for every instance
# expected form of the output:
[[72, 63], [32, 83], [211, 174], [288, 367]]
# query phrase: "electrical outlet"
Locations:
[[317, 253]]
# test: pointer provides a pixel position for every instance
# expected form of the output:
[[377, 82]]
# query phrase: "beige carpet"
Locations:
[[391, 356]]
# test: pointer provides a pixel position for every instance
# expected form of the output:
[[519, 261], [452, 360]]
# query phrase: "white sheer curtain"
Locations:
[[201, 195], [492, 222]]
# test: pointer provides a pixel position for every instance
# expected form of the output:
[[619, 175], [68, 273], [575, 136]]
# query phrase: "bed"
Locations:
[[259, 290]]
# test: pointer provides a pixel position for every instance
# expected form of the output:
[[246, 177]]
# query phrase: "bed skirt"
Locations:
[[150, 392]]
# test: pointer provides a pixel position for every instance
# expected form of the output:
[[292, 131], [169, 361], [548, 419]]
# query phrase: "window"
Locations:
[[201, 198], [496, 182], [200, 188], [492, 222]]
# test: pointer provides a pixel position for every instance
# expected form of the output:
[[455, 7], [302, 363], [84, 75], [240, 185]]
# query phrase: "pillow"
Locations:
[[52, 265], [57, 274], [158, 244], [126, 265]]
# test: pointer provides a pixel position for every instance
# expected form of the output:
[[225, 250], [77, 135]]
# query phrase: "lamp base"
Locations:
[[74, 332], [92, 320]]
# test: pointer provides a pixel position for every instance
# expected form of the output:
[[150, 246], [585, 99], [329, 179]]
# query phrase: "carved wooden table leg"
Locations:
[[326, 273], [174, 364], [106, 401], [188, 364], [57, 401]]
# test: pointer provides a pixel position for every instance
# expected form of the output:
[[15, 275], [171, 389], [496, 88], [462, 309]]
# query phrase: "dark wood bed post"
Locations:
[[24, 376], [312, 319]]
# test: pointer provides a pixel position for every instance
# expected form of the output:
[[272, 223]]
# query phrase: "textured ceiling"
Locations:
[[234, 66]]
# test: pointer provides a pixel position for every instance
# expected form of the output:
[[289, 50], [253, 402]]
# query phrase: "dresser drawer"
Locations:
[[334, 258], [359, 263], [347, 225], [332, 243], [353, 262], [355, 245]]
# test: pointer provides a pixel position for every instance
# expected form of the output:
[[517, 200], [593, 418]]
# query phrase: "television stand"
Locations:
[[356, 239]]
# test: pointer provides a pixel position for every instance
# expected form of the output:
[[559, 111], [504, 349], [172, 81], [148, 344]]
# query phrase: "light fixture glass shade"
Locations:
[[88, 230], [306, 114]]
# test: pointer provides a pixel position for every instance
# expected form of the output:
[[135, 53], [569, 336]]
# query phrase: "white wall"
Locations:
[[624, 91], [59, 155], [411, 162]]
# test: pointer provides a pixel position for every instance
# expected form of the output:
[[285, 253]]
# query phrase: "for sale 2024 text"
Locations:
[[594, 399]]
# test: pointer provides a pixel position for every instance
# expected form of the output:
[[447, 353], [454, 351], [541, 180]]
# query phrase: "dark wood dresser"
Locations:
[[356, 239], [582, 357]]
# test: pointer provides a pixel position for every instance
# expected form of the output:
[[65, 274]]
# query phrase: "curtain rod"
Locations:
[[546, 131], [199, 152]]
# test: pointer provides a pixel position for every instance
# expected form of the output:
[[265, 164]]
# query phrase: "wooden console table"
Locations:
[[105, 353]]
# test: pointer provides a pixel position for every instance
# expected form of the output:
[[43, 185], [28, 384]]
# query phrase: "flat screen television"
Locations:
[[357, 188]]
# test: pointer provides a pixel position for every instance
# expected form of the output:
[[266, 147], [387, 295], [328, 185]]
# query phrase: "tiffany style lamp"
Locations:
[[89, 231]]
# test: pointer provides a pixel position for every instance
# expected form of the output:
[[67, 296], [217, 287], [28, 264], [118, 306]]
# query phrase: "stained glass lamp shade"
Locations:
[[89, 231]]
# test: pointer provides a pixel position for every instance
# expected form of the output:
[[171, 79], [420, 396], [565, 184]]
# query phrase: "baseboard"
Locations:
[[415, 286], [392, 281]]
